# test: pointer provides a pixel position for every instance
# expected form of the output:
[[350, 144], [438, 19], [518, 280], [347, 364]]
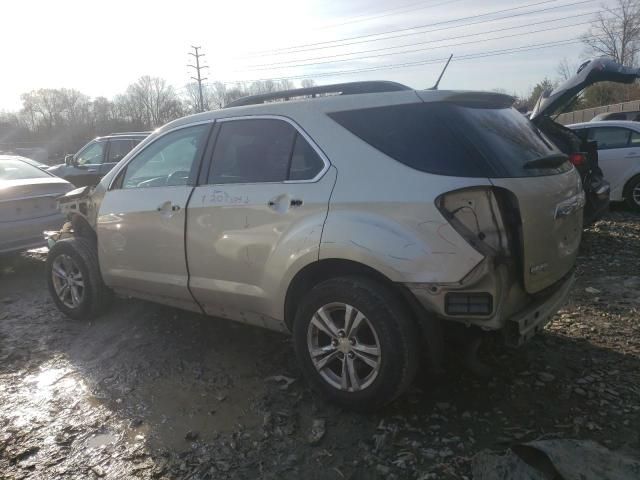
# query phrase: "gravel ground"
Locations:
[[152, 392]]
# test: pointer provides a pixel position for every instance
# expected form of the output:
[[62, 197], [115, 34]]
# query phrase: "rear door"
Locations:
[[141, 222], [118, 149], [258, 210], [618, 153]]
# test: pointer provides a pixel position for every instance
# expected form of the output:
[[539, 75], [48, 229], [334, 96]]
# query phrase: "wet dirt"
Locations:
[[148, 391]]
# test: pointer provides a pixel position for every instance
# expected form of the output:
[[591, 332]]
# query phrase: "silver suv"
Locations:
[[361, 217]]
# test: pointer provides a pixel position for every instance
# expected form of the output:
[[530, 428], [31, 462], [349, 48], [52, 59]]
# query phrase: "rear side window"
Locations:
[[118, 149], [610, 137], [305, 162], [455, 140], [262, 150]]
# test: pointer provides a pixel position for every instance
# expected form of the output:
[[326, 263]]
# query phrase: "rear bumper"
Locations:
[[516, 314], [525, 324], [25, 234]]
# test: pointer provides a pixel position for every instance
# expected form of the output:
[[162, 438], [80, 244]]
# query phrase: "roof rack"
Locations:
[[129, 133], [351, 88]]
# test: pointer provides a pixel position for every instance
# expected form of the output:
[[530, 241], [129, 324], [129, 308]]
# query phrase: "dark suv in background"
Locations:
[[96, 158]]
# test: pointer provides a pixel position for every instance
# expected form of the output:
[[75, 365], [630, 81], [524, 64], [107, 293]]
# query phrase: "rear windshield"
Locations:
[[11, 169], [455, 140]]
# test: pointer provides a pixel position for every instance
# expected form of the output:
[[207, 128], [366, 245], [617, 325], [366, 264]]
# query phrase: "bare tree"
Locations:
[[615, 32], [157, 101], [566, 70], [308, 83]]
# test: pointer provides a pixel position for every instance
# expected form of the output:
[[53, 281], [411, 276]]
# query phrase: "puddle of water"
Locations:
[[42, 388], [101, 439]]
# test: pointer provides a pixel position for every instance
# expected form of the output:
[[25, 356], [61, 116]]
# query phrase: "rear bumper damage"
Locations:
[[518, 316], [525, 324]]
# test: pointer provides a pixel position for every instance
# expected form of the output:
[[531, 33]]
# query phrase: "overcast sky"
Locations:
[[100, 48]]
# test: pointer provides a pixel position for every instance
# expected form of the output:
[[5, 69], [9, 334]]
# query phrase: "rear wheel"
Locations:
[[74, 280], [356, 342], [632, 193]]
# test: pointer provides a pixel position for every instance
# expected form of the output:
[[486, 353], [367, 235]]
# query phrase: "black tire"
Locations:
[[96, 296], [629, 199], [396, 331]]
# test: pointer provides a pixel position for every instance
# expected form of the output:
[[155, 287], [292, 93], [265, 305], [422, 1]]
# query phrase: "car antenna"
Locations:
[[435, 87]]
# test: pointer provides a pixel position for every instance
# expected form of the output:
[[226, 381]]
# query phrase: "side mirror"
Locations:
[[68, 159]]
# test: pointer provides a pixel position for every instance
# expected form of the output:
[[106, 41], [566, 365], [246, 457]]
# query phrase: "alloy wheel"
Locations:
[[67, 281], [344, 347]]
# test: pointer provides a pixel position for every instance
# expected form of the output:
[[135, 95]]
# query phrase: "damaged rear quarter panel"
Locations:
[[412, 247]]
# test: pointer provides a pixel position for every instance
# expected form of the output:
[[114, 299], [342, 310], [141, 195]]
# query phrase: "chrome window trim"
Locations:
[[300, 130], [144, 147]]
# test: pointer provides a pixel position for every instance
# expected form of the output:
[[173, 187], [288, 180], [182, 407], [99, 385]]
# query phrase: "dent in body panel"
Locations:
[[415, 250]]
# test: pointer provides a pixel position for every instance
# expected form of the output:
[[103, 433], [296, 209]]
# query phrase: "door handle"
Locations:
[[92, 170], [166, 206]]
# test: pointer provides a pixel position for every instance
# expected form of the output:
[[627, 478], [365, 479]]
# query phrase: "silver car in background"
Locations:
[[27, 203], [364, 218]]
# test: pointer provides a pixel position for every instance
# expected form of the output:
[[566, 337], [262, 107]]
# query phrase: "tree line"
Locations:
[[62, 119]]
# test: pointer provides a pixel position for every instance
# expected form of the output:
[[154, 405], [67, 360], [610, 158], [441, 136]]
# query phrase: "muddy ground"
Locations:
[[152, 392]]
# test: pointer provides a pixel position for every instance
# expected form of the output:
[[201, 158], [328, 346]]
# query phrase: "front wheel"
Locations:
[[356, 342], [74, 280]]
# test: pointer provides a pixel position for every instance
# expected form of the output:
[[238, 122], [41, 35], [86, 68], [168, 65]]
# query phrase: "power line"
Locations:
[[199, 79], [472, 56], [438, 29], [444, 22], [292, 64], [394, 11]]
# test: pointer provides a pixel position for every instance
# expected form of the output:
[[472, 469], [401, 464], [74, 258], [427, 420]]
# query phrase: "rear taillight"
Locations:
[[578, 159], [475, 214]]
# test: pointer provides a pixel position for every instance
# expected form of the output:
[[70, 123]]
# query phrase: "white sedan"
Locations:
[[618, 156]]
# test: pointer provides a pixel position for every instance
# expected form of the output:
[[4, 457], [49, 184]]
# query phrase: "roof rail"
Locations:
[[129, 133], [351, 88]]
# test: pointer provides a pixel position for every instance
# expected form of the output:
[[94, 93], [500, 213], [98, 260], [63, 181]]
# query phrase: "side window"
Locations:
[[252, 151], [635, 139], [92, 154], [305, 162], [610, 137], [118, 149], [167, 161]]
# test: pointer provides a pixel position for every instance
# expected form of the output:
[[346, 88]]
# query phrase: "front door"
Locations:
[[141, 220], [87, 164], [258, 213]]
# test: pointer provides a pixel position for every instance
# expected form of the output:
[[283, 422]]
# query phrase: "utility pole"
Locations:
[[199, 79]]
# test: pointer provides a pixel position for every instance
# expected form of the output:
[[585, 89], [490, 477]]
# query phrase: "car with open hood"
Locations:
[[582, 151], [364, 218]]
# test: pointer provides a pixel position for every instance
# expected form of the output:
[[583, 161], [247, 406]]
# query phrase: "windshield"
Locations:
[[12, 169], [455, 140]]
